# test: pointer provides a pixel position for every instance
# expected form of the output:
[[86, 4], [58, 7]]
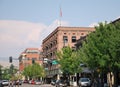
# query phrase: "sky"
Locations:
[[25, 23]]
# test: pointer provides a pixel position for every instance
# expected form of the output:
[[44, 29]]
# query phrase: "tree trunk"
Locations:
[[110, 79], [115, 79]]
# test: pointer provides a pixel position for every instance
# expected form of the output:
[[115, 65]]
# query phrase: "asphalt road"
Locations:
[[30, 85]]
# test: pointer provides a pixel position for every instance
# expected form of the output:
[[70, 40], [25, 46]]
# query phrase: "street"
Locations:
[[30, 85]]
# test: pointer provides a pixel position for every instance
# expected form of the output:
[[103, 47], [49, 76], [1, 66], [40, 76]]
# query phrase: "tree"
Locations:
[[12, 71], [27, 71], [68, 61], [1, 72], [34, 71], [38, 71], [6, 74], [101, 49]]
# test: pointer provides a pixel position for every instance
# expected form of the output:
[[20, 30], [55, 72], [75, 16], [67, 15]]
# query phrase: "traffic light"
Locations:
[[10, 59]]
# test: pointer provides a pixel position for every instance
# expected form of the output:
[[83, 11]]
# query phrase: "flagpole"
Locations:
[[60, 16]]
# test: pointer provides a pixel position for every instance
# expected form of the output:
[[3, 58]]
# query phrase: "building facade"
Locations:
[[28, 57], [59, 38]]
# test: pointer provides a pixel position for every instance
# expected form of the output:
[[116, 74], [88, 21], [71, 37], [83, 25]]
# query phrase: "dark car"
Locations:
[[60, 83], [19, 82], [53, 82], [25, 81], [1, 83]]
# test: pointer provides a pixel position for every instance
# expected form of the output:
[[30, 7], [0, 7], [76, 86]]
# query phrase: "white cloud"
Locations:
[[19, 31], [53, 26], [97, 24], [16, 36], [93, 25]]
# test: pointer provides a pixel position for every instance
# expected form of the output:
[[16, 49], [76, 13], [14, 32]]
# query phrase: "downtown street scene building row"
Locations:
[[61, 37]]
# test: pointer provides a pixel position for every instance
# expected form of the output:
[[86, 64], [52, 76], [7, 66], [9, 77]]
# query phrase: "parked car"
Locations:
[[25, 81], [84, 82], [53, 82], [60, 83], [29, 81], [5, 82], [38, 82], [1, 83], [19, 82], [33, 82]]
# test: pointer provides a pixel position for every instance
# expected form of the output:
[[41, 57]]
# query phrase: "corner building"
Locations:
[[28, 56], [59, 38]]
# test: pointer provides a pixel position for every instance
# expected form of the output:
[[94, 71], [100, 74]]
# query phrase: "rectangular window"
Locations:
[[73, 39], [65, 39], [34, 58]]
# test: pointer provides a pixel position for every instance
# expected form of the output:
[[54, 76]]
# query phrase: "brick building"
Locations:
[[29, 56], [60, 37]]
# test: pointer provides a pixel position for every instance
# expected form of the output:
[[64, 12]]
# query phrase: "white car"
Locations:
[[5, 82], [30, 81], [38, 82], [84, 82]]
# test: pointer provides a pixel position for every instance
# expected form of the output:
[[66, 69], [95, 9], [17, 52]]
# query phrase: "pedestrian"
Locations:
[[12, 84]]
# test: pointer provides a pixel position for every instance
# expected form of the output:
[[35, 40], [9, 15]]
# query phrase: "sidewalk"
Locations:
[[49, 85]]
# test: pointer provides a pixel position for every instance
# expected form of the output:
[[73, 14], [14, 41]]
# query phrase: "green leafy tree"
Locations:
[[6, 74], [101, 49], [12, 70], [34, 71], [28, 71], [38, 70], [1, 71], [68, 61]]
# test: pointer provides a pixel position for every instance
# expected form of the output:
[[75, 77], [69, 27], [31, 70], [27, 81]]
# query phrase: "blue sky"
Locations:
[[77, 12], [25, 23]]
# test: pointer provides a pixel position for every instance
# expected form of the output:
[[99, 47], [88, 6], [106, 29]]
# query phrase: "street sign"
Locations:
[[54, 62]]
